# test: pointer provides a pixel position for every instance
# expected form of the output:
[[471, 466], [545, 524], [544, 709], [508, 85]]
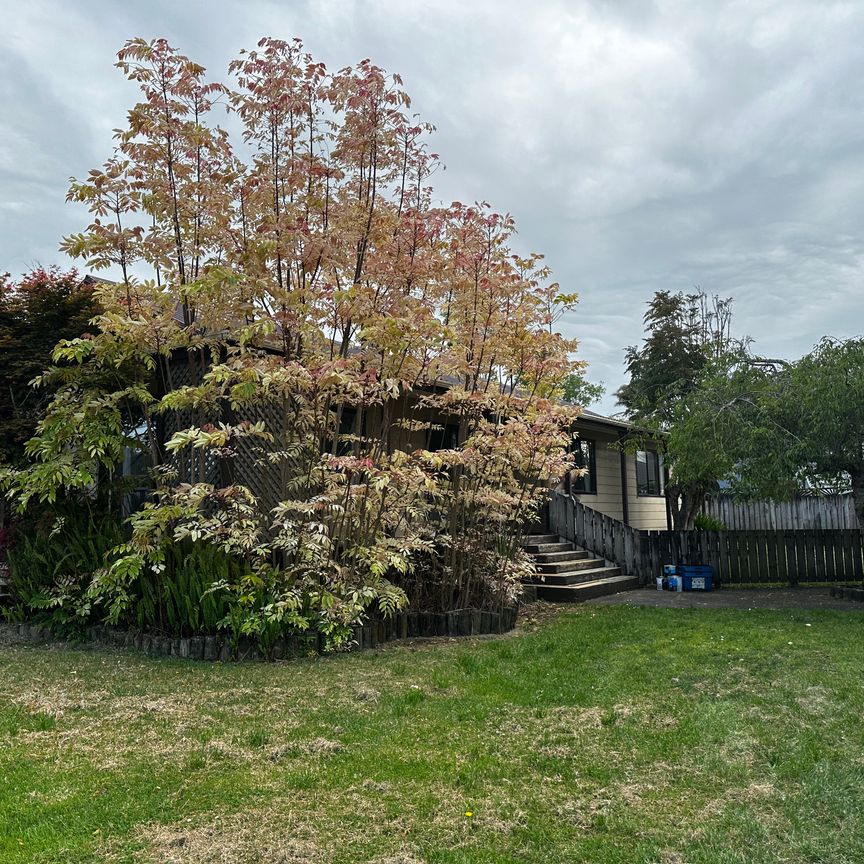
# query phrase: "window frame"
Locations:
[[653, 460], [444, 438], [591, 474]]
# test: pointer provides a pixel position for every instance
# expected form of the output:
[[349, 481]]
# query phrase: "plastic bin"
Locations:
[[696, 577]]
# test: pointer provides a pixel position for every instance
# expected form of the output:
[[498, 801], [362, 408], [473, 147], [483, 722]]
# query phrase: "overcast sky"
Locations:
[[639, 145]]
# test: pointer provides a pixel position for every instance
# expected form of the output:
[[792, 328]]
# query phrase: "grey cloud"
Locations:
[[639, 145]]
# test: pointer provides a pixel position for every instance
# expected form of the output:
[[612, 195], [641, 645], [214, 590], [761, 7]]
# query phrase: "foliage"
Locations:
[[35, 311], [52, 562], [704, 522], [334, 378], [578, 390], [773, 428], [688, 338]]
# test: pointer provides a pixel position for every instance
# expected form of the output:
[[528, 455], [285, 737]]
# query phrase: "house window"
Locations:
[[136, 472], [649, 473], [585, 457], [444, 438]]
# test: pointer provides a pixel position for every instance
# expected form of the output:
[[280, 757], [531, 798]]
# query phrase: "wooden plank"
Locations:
[[833, 550], [757, 555], [791, 548], [812, 539], [611, 535], [722, 566], [754, 554], [857, 552], [771, 555], [848, 565], [782, 563], [804, 557], [821, 543], [703, 539], [801, 574], [725, 557], [753, 563], [744, 557], [734, 545], [776, 556]]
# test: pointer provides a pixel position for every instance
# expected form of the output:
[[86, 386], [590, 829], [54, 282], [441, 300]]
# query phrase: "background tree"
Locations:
[[687, 336], [773, 428], [36, 311], [578, 390]]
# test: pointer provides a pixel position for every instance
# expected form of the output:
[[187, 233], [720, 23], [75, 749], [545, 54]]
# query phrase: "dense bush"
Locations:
[[346, 391], [52, 559]]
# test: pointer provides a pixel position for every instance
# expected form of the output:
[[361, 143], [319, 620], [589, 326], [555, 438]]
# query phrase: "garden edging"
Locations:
[[404, 625]]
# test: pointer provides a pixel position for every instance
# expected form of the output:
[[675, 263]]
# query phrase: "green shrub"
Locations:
[[51, 563], [182, 599], [704, 522]]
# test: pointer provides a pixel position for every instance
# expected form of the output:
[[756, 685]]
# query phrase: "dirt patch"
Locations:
[[313, 747], [396, 859], [251, 841], [753, 792]]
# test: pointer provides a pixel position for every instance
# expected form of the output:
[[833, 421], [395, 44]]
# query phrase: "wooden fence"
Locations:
[[738, 557], [807, 512], [759, 557]]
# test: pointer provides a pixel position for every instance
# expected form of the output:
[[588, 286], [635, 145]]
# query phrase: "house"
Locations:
[[629, 487]]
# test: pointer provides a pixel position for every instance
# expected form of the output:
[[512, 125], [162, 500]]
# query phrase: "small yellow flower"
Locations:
[[469, 813]]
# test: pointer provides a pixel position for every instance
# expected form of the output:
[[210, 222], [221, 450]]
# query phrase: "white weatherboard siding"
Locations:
[[647, 512], [643, 512], [607, 499]]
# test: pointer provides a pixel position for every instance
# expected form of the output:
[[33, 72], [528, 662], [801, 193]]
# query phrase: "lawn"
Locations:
[[597, 734]]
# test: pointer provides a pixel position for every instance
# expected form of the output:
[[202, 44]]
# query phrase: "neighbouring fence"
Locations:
[[738, 557], [805, 512], [752, 557]]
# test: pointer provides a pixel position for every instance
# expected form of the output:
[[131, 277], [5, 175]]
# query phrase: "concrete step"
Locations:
[[534, 539], [586, 590], [549, 548], [571, 577], [585, 563], [556, 557]]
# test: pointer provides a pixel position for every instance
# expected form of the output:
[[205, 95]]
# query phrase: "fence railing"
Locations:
[[600, 534], [806, 512], [738, 557]]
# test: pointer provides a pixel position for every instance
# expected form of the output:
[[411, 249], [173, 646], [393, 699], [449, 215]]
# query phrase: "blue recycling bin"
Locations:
[[696, 577]]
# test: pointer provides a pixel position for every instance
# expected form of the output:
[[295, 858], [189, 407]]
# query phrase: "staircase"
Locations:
[[569, 575]]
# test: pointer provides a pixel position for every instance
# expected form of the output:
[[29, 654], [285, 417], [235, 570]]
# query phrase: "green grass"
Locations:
[[606, 734]]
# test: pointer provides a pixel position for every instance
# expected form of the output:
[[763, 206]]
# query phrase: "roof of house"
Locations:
[[586, 416], [602, 419]]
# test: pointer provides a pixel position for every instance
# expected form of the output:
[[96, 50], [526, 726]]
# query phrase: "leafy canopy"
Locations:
[[773, 428], [340, 383]]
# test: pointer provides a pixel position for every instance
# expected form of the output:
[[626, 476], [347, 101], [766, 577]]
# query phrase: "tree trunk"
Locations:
[[685, 502]]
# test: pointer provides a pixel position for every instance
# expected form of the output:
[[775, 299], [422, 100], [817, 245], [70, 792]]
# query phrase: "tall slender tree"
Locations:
[[311, 321], [686, 336]]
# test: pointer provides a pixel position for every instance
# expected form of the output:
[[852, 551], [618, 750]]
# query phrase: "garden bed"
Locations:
[[404, 625]]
